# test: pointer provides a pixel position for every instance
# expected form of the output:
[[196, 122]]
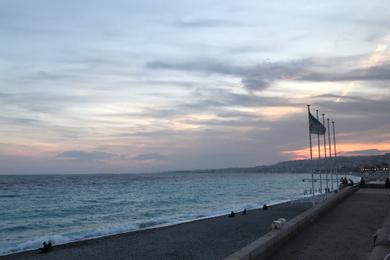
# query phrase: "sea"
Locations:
[[66, 208]]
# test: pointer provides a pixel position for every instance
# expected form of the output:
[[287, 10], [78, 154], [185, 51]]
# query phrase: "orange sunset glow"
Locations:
[[342, 149]]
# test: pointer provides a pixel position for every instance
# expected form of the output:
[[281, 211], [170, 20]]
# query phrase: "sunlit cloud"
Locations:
[[270, 113], [381, 55]]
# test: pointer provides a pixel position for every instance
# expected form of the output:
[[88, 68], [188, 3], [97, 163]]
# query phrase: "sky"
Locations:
[[147, 86]]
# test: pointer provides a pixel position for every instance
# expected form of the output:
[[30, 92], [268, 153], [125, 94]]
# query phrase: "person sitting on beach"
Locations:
[[231, 215], [387, 182], [45, 248], [244, 212], [265, 207], [350, 182]]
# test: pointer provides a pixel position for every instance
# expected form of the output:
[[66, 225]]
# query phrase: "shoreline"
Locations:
[[156, 228]]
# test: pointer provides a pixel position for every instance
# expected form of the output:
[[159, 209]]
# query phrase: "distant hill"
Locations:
[[344, 164]]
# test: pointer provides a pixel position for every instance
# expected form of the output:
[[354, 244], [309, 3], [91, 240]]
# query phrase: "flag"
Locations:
[[315, 126]]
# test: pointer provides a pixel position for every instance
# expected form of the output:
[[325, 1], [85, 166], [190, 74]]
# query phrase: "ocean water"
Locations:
[[65, 208]]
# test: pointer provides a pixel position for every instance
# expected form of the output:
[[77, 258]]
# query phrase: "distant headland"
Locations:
[[345, 164]]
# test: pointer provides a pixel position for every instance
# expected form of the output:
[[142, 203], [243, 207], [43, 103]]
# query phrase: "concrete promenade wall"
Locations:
[[267, 244], [382, 243]]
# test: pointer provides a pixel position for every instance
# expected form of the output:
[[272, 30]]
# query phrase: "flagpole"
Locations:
[[334, 150], [311, 157], [319, 156], [326, 170], [330, 155]]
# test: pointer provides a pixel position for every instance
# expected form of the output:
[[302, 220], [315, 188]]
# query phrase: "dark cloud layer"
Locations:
[[149, 157], [376, 73], [262, 76], [85, 155]]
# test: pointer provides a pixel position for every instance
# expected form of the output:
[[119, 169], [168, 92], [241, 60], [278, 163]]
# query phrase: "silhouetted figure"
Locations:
[[387, 182], [244, 212], [231, 215], [46, 247], [343, 183], [362, 182], [265, 207], [350, 182]]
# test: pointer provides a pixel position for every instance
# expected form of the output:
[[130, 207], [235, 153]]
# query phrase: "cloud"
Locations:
[[201, 65], [204, 23], [263, 75], [20, 121], [85, 155], [149, 157], [212, 101], [257, 77], [376, 73], [48, 102]]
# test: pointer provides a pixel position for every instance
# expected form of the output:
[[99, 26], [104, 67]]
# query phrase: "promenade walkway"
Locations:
[[344, 233]]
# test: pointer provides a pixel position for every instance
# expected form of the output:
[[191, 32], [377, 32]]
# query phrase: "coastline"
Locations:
[[200, 225]]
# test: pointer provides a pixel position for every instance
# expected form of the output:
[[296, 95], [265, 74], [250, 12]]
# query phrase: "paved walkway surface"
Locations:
[[344, 233]]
